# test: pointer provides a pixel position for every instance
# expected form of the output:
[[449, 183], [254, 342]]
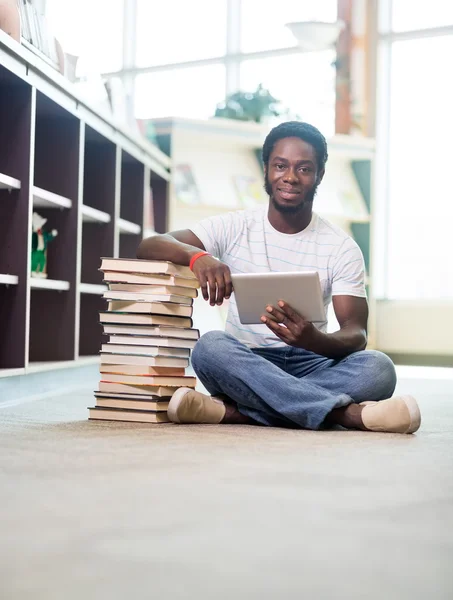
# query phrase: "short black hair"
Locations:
[[305, 132]]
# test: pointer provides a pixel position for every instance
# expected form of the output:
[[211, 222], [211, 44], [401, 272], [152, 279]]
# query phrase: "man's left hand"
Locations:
[[290, 326]]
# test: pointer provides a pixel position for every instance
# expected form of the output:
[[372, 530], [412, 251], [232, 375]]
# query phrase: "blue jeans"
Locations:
[[289, 387]]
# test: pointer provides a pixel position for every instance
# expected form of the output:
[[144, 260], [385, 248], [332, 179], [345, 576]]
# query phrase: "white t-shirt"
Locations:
[[247, 243]]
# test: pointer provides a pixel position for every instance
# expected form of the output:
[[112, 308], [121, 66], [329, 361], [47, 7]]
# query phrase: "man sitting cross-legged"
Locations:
[[286, 372]]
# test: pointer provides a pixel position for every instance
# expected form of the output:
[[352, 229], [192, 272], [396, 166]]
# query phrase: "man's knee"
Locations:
[[210, 347], [381, 370]]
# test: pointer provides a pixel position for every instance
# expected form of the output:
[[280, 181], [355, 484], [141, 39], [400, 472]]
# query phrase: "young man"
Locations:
[[287, 373]]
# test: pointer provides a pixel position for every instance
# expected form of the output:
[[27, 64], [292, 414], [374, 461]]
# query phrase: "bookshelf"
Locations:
[[90, 178]]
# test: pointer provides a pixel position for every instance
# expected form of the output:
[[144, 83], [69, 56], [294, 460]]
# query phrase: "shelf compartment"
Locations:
[[45, 199], [94, 215], [49, 284], [16, 135], [9, 183], [129, 227], [8, 279], [52, 325], [92, 288], [90, 332]]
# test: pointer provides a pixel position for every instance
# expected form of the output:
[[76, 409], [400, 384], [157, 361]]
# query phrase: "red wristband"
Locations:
[[196, 257]]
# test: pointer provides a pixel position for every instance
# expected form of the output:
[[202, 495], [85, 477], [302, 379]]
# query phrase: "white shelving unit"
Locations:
[[45, 199], [8, 279], [93, 215], [91, 178], [49, 284], [129, 227], [9, 183], [92, 288]]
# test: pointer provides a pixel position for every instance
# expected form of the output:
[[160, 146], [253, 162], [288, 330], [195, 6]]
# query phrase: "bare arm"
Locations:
[[179, 247], [352, 315]]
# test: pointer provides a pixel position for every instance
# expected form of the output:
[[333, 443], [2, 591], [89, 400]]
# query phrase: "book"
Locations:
[[121, 318], [158, 308], [131, 404], [136, 265], [145, 350], [136, 340], [122, 414], [147, 297], [150, 279], [154, 289], [142, 370], [149, 361], [145, 390], [184, 381], [148, 398], [159, 331]]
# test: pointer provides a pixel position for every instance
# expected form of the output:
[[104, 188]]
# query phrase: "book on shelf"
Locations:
[[152, 331], [136, 265], [149, 296], [144, 389], [136, 340], [122, 318], [142, 370], [168, 290], [145, 350], [158, 308], [148, 361], [184, 381], [122, 402], [123, 414], [117, 277]]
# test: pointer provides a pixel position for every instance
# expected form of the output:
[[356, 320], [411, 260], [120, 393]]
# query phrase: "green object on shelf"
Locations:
[[39, 240]]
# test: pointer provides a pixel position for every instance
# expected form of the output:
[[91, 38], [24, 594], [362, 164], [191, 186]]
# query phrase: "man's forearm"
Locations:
[[166, 247], [340, 343]]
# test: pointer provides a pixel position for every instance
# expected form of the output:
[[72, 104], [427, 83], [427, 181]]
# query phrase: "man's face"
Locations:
[[291, 176]]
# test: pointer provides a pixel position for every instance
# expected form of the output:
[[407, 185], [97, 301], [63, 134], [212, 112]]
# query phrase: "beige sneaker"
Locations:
[[188, 406], [395, 415]]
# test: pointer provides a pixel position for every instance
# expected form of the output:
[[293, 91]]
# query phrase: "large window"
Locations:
[[304, 83], [90, 30], [420, 193], [414, 203], [192, 92], [408, 15], [263, 23], [180, 30]]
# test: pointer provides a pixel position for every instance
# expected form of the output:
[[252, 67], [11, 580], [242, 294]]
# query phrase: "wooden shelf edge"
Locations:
[[128, 227], [49, 284], [93, 215], [8, 279], [45, 199], [9, 183], [92, 288]]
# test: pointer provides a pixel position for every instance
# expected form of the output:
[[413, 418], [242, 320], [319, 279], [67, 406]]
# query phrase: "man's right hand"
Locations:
[[215, 279]]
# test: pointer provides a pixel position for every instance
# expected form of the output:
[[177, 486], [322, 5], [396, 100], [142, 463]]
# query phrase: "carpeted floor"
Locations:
[[97, 510]]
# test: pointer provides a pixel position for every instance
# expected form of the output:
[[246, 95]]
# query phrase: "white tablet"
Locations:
[[300, 289]]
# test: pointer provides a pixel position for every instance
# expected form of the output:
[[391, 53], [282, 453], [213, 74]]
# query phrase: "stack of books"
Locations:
[[150, 336]]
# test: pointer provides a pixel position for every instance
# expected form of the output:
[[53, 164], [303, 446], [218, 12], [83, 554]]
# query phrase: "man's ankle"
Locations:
[[349, 417], [234, 417]]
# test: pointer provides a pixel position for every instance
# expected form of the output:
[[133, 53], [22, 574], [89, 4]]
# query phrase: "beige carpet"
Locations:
[[114, 511]]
